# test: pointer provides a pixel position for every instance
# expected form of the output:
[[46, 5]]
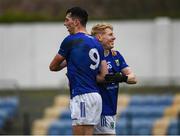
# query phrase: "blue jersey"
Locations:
[[83, 54], [109, 92]]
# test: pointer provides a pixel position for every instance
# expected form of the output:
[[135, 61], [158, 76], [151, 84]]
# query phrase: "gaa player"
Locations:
[[119, 71], [84, 57]]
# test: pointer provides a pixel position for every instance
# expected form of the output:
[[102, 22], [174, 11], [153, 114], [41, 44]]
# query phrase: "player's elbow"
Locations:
[[52, 68]]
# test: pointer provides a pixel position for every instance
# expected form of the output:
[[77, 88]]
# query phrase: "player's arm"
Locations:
[[57, 63], [103, 71], [131, 78]]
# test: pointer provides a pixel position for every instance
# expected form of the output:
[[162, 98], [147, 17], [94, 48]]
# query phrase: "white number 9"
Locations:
[[92, 53]]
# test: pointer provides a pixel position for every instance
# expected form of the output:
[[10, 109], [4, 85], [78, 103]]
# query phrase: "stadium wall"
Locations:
[[151, 48]]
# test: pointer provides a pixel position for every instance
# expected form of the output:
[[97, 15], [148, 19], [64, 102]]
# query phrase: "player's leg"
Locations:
[[85, 112], [106, 126], [83, 129]]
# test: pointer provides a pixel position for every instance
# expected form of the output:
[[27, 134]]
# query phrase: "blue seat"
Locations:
[[151, 100], [8, 108], [142, 126], [173, 127], [122, 127], [134, 126], [11, 101], [143, 112], [60, 127], [65, 115], [10, 105], [3, 118]]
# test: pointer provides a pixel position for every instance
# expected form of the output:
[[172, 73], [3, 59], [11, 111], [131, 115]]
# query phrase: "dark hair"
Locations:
[[79, 13]]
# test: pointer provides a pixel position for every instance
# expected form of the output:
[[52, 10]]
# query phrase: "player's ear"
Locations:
[[76, 22], [99, 37]]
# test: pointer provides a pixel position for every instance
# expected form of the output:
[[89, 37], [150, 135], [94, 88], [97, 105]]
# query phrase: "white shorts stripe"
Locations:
[[82, 108], [106, 125]]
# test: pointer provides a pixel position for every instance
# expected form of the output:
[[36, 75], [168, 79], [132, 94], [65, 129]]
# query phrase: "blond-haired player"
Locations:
[[109, 91]]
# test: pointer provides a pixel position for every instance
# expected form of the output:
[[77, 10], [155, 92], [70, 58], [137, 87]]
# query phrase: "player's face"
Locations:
[[107, 39], [69, 22]]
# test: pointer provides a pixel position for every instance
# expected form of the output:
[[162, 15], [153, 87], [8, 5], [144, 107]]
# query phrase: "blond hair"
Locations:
[[100, 28]]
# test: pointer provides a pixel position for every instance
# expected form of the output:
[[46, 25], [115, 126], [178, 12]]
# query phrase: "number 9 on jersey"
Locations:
[[94, 56]]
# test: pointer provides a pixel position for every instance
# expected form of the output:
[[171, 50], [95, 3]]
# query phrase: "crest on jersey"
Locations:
[[114, 53], [117, 62]]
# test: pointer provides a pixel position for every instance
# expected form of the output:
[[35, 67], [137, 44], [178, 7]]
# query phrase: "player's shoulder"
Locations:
[[89, 36], [67, 38], [70, 38], [85, 37], [95, 40]]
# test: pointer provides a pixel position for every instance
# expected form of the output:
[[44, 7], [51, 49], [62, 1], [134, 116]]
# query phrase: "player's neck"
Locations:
[[81, 30]]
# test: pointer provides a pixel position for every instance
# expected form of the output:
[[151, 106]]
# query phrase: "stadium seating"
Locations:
[[8, 109], [40, 126], [123, 102], [3, 117], [136, 115], [65, 114], [60, 103], [51, 114], [63, 124], [173, 128], [160, 126], [57, 126], [60, 127], [153, 100], [141, 114], [165, 125]]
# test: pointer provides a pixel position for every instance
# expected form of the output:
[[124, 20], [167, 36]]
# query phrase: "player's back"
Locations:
[[83, 61]]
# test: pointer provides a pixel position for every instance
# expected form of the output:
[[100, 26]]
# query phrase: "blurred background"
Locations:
[[34, 100]]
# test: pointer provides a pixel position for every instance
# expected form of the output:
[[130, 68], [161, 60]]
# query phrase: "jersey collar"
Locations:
[[106, 53]]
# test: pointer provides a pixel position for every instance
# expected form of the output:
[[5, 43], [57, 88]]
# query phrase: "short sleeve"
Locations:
[[64, 47], [123, 63]]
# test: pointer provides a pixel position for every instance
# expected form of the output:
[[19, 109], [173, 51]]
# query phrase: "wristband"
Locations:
[[117, 77]]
